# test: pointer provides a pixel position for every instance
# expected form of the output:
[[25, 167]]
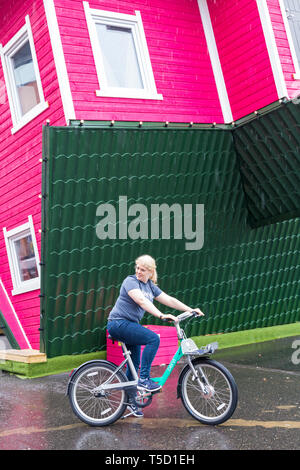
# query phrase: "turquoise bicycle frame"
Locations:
[[177, 356]]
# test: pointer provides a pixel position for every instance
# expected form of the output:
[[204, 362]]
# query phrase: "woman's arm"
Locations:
[[166, 299], [148, 306]]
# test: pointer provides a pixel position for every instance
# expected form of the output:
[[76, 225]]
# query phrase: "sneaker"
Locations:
[[135, 410], [148, 384]]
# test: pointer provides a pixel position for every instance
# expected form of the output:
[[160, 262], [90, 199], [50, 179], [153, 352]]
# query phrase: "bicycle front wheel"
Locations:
[[220, 400], [90, 406]]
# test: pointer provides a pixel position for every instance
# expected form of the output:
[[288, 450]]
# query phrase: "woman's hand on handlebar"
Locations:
[[198, 311], [195, 311], [169, 317]]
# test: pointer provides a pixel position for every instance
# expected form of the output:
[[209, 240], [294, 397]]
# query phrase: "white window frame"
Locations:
[[215, 60], [269, 35], [134, 22], [7, 51], [19, 286], [296, 63]]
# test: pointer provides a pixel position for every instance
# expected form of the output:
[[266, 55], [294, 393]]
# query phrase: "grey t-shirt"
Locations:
[[125, 307]]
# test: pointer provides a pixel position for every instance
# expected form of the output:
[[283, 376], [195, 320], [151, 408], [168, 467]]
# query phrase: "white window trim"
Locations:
[[19, 287], [296, 75], [272, 48], [23, 35], [59, 60], [215, 61], [135, 23]]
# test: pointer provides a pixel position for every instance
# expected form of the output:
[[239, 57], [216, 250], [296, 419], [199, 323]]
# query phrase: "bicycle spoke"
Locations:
[[216, 403], [90, 402]]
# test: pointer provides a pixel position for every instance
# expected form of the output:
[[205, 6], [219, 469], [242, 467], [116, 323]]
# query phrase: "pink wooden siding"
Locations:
[[243, 55], [288, 68], [20, 169], [178, 53]]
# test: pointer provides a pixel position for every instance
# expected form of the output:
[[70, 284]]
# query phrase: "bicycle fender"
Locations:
[[74, 371], [179, 382]]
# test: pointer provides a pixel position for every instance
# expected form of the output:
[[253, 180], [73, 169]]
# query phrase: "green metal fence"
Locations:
[[241, 278], [268, 148]]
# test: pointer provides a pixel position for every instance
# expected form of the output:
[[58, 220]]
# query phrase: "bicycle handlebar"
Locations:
[[183, 316]]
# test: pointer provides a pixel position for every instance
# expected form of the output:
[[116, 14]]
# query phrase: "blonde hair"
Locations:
[[149, 263]]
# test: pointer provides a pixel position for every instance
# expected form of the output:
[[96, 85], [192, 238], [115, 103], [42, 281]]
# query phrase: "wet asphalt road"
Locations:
[[35, 413]]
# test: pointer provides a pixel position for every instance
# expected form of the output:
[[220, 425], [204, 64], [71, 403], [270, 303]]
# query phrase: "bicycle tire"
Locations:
[[221, 401], [95, 409]]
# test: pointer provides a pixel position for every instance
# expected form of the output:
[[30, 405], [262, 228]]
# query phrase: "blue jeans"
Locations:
[[134, 336]]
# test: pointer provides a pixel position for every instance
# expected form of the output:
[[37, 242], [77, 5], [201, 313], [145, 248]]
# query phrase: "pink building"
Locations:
[[181, 61]]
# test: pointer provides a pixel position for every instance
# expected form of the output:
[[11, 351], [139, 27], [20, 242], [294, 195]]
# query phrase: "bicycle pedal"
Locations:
[[145, 394]]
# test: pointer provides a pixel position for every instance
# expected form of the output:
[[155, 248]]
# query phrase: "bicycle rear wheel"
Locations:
[[220, 401], [90, 406]]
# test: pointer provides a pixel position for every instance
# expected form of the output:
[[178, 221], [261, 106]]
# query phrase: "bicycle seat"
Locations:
[[112, 339]]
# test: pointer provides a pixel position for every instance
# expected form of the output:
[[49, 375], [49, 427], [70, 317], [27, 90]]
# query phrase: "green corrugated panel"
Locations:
[[269, 153], [241, 278]]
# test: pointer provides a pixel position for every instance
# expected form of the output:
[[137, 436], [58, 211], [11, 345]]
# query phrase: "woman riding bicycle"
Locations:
[[136, 296]]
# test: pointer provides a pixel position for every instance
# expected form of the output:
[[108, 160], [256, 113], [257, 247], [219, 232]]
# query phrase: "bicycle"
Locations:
[[99, 391]]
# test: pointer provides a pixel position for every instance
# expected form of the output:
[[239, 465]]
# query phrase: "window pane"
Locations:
[[25, 78], [26, 258], [120, 57]]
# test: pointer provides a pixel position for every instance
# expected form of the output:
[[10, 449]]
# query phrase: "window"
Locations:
[[22, 78], [23, 257], [121, 55], [291, 16]]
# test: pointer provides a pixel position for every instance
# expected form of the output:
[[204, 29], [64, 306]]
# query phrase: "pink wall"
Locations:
[[182, 72], [288, 68], [20, 169], [167, 347], [179, 58], [243, 55]]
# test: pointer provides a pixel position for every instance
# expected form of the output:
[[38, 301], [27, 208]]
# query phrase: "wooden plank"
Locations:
[[29, 356]]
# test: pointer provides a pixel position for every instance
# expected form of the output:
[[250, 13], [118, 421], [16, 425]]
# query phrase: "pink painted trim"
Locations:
[[13, 322]]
